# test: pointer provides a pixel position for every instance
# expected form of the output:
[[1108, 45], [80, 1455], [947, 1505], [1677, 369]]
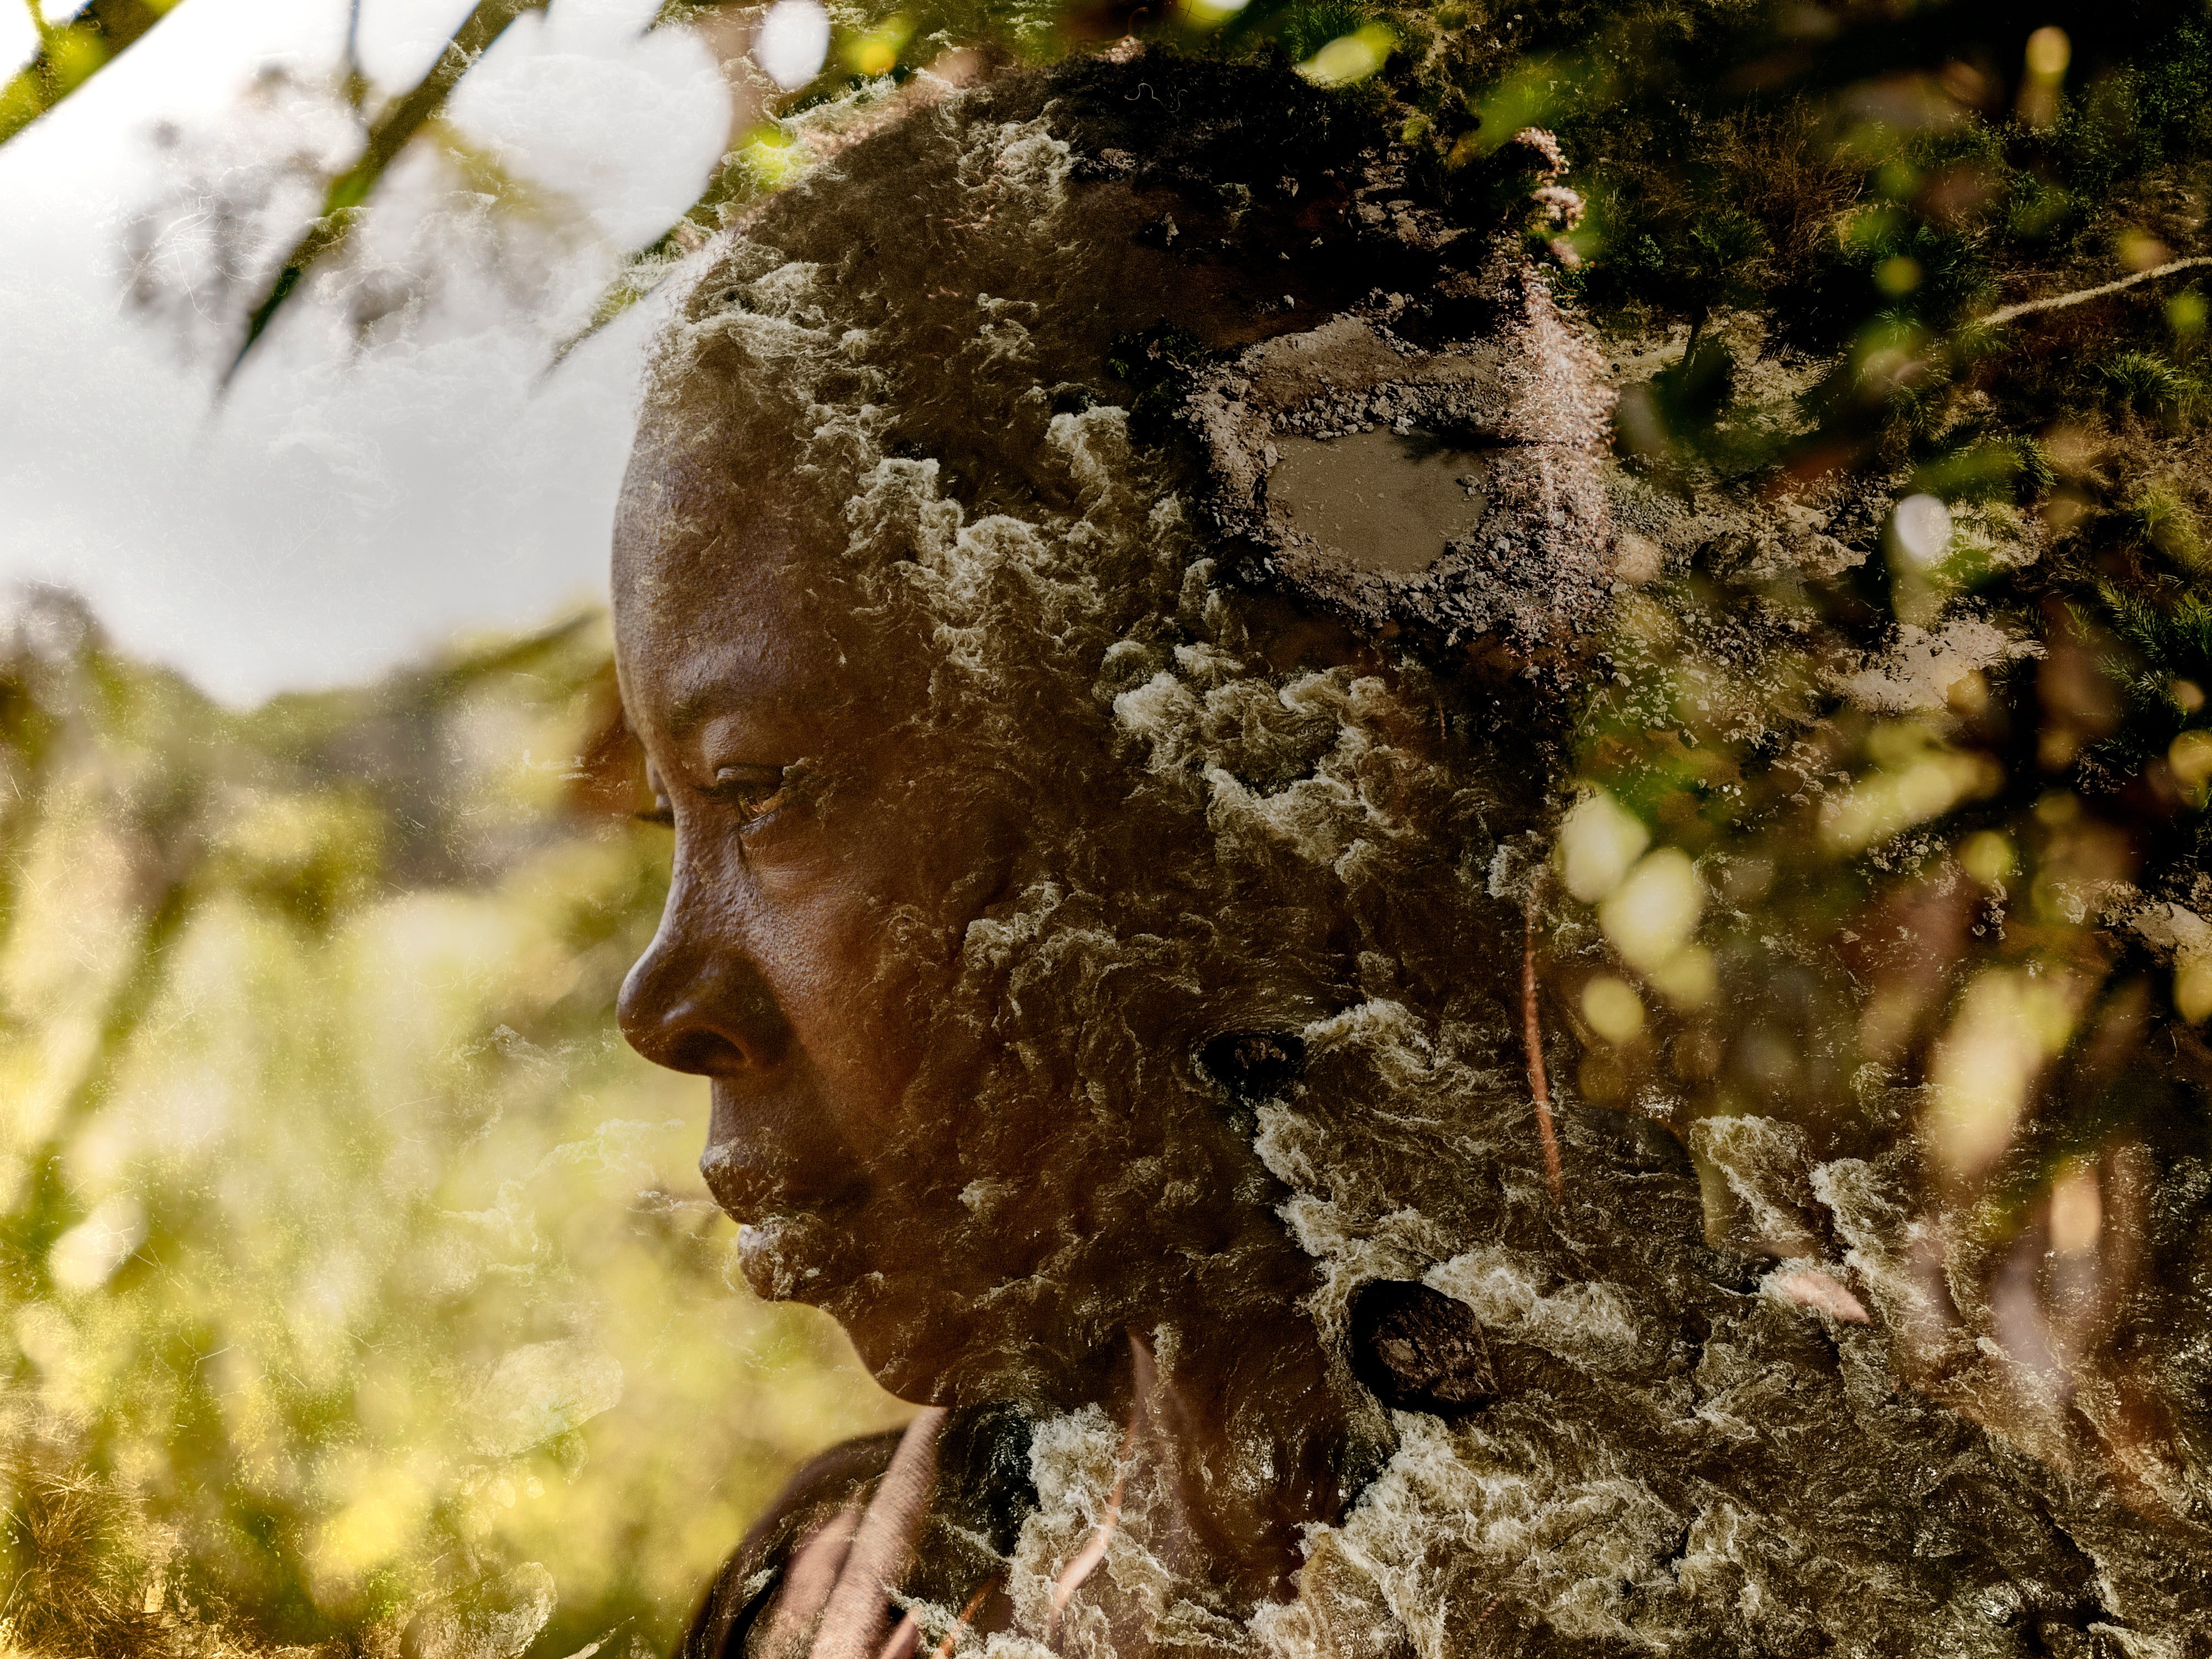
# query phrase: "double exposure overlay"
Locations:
[[1424, 788]]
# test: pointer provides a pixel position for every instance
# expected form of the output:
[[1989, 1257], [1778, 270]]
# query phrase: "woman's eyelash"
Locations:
[[753, 790]]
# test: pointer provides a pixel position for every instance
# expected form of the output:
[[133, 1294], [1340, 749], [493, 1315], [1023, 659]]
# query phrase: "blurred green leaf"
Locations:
[[388, 135], [71, 53]]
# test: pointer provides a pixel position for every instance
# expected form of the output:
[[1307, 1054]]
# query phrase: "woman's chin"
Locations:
[[795, 1258], [906, 1362]]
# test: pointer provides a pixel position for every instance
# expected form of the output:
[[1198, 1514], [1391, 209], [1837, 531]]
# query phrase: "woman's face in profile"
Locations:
[[946, 1194], [803, 863], [1000, 801]]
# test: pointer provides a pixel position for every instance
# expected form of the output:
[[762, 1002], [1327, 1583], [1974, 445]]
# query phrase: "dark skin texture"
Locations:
[[821, 887]]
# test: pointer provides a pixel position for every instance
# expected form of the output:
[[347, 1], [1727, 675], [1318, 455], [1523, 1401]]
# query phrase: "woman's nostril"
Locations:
[[712, 1037], [705, 1052]]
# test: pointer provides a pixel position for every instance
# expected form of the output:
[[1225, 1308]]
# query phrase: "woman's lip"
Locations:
[[750, 1183], [774, 1145]]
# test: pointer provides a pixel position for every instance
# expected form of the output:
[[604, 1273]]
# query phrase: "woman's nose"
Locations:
[[696, 1005]]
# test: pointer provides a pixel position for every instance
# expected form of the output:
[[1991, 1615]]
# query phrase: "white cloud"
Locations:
[[337, 512]]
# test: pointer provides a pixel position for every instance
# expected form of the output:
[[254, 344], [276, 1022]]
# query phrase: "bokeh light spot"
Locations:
[[1987, 857], [1350, 57], [1614, 1010], [2049, 52], [86, 1256], [2077, 1210], [1920, 529], [1598, 842], [793, 42], [2010, 1024], [2189, 756], [1687, 978], [1898, 276], [1651, 915]]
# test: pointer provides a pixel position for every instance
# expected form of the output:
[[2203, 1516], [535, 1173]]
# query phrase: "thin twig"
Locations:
[[388, 135], [1532, 1037], [1093, 1552], [86, 41], [967, 1617], [2081, 296]]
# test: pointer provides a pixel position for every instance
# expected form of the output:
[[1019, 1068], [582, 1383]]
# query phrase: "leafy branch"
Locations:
[[71, 53], [388, 135]]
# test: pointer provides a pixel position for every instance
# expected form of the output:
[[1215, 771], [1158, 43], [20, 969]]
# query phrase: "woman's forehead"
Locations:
[[736, 610]]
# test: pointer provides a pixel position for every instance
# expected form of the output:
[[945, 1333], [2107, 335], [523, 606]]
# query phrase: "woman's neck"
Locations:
[[1237, 1445]]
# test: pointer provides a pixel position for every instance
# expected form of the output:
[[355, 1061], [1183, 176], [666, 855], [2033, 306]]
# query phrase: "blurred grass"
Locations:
[[348, 1260]]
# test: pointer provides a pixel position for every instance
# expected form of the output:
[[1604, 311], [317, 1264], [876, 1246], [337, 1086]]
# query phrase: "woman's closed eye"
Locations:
[[753, 792]]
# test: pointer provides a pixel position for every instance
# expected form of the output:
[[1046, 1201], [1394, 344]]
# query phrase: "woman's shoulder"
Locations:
[[780, 1575], [745, 1585]]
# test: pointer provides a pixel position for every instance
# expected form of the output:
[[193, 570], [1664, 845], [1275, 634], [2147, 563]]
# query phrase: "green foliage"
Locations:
[[348, 1262], [2147, 383], [2172, 641], [2166, 521], [1303, 28], [394, 128], [70, 51], [2155, 647], [2139, 115], [1970, 468]]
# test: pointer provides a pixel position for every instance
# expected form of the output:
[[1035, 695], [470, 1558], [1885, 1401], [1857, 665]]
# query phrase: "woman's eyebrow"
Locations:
[[693, 708], [766, 702]]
